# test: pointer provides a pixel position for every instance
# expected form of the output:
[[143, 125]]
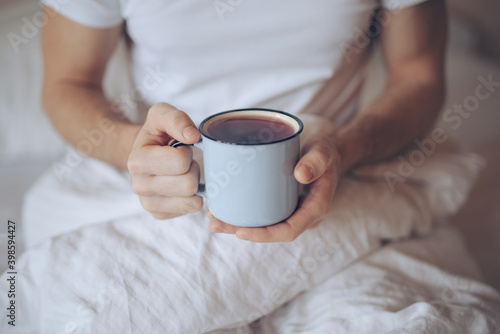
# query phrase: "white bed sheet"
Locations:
[[417, 286], [133, 274]]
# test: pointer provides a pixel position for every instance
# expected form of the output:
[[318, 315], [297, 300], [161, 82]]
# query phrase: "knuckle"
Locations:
[[291, 236], [191, 185], [320, 159], [184, 208], [193, 204], [159, 108], [183, 163], [135, 187], [198, 205], [177, 116], [161, 216], [147, 204], [140, 188], [134, 166]]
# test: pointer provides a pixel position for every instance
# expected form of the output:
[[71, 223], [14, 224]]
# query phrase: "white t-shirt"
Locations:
[[206, 56]]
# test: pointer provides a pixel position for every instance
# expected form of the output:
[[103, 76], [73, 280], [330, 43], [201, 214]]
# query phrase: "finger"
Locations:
[[315, 225], [164, 216], [171, 205], [313, 164], [165, 122], [160, 160], [217, 226], [258, 234], [285, 231], [281, 232], [184, 185]]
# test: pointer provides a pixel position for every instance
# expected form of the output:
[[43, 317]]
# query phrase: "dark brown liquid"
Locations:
[[249, 130]]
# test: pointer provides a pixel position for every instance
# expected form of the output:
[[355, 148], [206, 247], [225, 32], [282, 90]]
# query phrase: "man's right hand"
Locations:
[[166, 178]]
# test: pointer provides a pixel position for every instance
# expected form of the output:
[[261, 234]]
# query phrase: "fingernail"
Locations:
[[189, 132], [306, 172], [216, 230], [241, 235]]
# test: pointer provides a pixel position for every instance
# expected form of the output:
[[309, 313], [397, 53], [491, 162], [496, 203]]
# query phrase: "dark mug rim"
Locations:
[[204, 134]]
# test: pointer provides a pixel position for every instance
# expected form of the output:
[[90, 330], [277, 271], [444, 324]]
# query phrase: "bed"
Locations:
[[29, 145]]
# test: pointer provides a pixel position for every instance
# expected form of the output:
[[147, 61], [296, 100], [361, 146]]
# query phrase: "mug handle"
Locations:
[[201, 186]]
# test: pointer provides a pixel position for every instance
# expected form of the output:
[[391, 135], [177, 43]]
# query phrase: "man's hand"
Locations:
[[166, 178], [319, 170]]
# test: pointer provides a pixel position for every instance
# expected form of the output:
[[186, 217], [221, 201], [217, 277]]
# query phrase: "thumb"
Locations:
[[164, 118], [313, 164]]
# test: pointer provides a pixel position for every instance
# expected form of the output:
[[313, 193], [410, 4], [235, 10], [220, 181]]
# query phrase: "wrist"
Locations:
[[349, 150], [124, 140]]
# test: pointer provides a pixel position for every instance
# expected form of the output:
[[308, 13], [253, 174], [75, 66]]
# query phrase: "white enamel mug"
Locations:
[[250, 184]]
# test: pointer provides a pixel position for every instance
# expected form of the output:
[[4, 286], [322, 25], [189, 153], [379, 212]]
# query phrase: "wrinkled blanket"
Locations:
[[377, 263]]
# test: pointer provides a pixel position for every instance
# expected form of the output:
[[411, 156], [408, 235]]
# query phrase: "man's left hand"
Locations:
[[319, 170]]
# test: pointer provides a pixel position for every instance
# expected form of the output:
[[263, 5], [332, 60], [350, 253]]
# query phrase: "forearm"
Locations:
[[405, 111], [83, 116]]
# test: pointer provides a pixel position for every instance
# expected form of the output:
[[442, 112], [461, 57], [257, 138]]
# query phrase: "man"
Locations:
[[296, 56]]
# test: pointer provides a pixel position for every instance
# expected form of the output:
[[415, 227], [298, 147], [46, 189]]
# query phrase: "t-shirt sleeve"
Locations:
[[398, 4], [92, 13]]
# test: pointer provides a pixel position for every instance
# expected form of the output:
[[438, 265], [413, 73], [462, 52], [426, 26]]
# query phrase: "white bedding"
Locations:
[[133, 274], [417, 286], [28, 143]]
